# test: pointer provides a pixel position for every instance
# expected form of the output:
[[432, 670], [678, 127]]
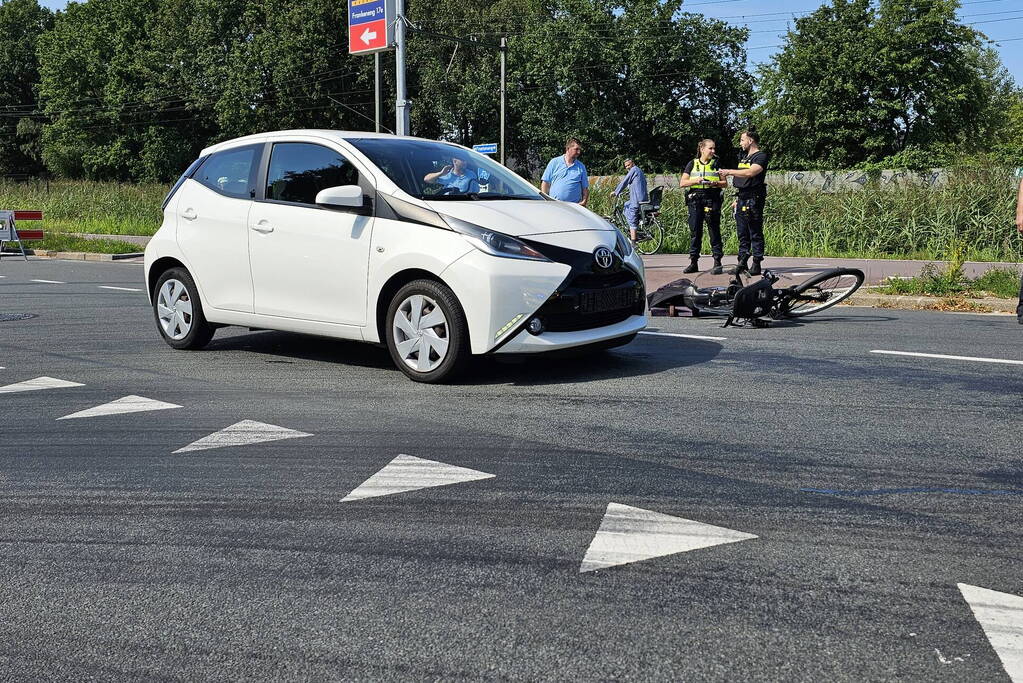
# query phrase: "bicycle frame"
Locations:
[[719, 300]]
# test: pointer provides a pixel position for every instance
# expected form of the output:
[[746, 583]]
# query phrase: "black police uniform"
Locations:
[[749, 209], [704, 203]]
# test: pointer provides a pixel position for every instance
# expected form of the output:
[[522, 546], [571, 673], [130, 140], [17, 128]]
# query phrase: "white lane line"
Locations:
[[242, 433], [1001, 617], [120, 289], [128, 404], [49, 282], [683, 336], [409, 473], [942, 356], [629, 534]]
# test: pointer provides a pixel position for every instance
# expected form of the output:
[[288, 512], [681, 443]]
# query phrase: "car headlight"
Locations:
[[493, 243], [624, 245]]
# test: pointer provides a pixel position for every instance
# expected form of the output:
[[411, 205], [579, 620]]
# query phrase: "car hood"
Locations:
[[524, 218]]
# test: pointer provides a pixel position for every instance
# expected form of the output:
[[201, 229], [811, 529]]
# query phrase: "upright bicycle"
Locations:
[[649, 234]]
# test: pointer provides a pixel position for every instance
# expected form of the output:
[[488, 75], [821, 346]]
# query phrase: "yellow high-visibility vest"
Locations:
[[707, 173]]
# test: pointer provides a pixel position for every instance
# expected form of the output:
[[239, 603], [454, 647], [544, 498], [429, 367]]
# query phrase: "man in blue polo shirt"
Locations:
[[565, 178]]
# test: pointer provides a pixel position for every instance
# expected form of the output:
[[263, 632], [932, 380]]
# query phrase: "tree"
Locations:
[[858, 81], [21, 24], [633, 78]]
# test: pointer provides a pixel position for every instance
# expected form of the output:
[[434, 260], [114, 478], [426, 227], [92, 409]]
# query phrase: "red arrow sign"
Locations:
[[368, 37]]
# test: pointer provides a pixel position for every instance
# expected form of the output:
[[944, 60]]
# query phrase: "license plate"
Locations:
[[598, 301]]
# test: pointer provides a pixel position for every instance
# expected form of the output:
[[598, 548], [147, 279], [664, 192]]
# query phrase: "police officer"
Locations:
[[703, 197], [751, 182]]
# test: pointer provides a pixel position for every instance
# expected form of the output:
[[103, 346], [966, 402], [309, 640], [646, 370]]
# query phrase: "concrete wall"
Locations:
[[821, 181]]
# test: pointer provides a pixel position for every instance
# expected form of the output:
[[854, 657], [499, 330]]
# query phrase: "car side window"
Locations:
[[299, 170], [231, 172]]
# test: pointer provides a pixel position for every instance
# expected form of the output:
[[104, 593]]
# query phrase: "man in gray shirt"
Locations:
[[635, 181]]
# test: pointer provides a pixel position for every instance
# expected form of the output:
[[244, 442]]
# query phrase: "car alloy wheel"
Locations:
[[174, 309], [421, 335], [178, 311]]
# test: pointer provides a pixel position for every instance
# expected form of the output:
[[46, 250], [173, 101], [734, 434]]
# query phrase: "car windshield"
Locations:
[[442, 171]]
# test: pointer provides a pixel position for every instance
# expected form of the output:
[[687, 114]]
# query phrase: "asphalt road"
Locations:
[[872, 485]]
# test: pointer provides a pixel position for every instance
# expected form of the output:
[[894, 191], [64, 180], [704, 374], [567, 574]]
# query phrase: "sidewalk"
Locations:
[[663, 268]]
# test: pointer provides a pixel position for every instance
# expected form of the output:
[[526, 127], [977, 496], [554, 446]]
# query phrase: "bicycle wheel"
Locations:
[[823, 291], [649, 237]]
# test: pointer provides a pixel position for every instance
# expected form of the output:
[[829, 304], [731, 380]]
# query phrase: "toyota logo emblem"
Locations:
[[603, 257]]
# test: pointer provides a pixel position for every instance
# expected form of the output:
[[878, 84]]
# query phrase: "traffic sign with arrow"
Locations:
[[370, 26]]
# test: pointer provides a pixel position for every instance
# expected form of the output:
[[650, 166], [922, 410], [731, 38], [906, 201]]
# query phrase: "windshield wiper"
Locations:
[[455, 196], [498, 195]]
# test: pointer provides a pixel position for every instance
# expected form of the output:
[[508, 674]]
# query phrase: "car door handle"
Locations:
[[189, 214], [263, 228]]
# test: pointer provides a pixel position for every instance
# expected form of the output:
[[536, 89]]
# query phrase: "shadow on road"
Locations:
[[644, 356]]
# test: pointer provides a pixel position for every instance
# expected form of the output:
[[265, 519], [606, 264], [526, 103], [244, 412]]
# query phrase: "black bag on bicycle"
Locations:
[[752, 302]]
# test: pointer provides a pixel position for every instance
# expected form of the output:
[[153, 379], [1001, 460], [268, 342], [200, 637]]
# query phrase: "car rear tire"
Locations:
[[426, 332], [178, 311]]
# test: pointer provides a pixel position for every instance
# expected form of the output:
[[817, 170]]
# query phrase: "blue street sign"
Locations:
[[370, 25], [486, 148]]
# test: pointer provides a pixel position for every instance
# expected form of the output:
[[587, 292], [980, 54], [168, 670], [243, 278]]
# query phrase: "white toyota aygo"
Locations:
[[425, 246]]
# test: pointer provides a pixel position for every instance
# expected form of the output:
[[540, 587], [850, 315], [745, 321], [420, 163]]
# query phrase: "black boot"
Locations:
[[693, 266], [717, 270], [756, 270], [741, 267]]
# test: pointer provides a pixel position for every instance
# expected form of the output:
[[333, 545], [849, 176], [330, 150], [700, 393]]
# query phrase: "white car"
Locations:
[[425, 246]]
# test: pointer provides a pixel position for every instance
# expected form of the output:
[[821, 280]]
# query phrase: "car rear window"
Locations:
[[184, 176]]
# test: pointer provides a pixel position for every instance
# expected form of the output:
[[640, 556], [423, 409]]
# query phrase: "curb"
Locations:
[[76, 255], [931, 303]]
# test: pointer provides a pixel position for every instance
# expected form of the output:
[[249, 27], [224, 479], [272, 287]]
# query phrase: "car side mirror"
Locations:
[[345, 198]]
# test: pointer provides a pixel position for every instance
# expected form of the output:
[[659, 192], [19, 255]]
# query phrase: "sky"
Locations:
[[768, 20]]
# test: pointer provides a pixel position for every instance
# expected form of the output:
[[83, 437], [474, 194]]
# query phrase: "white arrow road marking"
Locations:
[[683, 336], [37, 384], [940, 356], [628, 534], [368, 36], [49, 282], [409, 473], [128, 404], [1001, 617], [120, 289], [242, 433]]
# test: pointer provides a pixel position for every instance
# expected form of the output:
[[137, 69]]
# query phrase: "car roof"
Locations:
[[339, 135]]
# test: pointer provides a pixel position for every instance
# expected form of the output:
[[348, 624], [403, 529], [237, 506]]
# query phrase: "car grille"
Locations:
[[593, 300]]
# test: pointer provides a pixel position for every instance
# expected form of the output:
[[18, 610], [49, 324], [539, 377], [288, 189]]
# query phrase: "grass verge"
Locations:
[[55, 241], [88, 207], [949, 283]]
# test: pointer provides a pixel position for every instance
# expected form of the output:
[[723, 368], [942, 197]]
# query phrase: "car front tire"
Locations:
[[426, 332], [178, 311]]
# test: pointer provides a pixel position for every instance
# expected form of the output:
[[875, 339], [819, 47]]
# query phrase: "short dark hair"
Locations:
[[752, 134], [572, 141]]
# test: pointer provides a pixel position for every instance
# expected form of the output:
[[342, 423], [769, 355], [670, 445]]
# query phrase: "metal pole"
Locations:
[[504, 91], [401, 105], [378, 96]]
